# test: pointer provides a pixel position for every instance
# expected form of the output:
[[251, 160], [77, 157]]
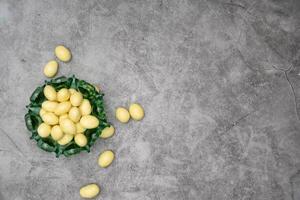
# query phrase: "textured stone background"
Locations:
[[219, 81]]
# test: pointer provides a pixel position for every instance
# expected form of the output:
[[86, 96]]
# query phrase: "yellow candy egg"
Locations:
[[122, 115], [51, 68], [85, 107], [107, 132], [63, 108], [89, 191], [50, 93], [65, 139], [49, 106], [50, 118], [136, 111], [56, 132], [106, 158], [89, 122], [63, 95], [80, 139], [62, 53], [76, 98], [68, 126], [74, 114], [44, 130]]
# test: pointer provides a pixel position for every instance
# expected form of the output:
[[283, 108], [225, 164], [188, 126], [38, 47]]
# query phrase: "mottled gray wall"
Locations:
[[219, 81]]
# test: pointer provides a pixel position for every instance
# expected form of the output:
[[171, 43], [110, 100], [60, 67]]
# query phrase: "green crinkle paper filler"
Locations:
[[33, 119]]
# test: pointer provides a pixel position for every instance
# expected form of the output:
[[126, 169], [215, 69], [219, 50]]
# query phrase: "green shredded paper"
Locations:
[[33, 119]]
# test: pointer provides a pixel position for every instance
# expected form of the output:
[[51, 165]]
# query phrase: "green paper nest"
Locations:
[[33, 119]]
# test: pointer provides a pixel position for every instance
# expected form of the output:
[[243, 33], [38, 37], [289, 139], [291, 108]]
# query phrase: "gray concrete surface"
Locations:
[[219, 81]]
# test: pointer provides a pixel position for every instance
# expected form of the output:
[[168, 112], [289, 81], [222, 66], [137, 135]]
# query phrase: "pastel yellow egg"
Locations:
[[56, 133], [79, 128], [63, 108], [65, 139], [74, 114], [50, 118], [68, 126], [42, 112], [107, 132], [50, 93], [72, 90], [122, 115], [44, 130], [63, 53], [61, 117], [106, 158], [80, 139], [63, 95], [76, 99], [89, 191], [85, 107], [89, 121], [49, 106], [136, 111], [51, 68]]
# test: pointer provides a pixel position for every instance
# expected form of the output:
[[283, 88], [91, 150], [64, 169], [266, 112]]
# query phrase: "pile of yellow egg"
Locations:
[[66, 115]]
